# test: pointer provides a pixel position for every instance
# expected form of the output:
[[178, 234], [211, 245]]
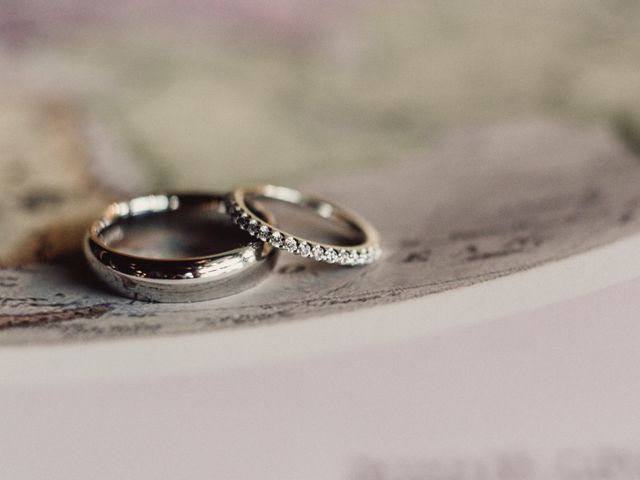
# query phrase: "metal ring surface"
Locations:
[[175, 280], [245, 214]]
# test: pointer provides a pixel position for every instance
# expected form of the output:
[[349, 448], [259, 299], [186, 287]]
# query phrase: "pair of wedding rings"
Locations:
[[222, 273]]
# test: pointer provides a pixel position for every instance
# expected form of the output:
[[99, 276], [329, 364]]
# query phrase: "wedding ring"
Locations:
[[175, 279], [244, 212]]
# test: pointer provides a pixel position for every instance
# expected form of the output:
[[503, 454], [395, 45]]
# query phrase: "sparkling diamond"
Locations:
[[343, 257], [263, 233], [331, 256], [318, 253], [252, 227], [290, 244], [370, 255], [234, 210], [354, 258], [276, 239], [364, 257], [304, 249], [243, 221]]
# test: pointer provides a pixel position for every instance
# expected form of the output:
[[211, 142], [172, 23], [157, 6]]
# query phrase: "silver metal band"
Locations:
[[246, 215], [176, 279]]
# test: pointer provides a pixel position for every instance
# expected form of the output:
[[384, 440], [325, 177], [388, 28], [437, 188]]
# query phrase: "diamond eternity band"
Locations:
[[242, 215]]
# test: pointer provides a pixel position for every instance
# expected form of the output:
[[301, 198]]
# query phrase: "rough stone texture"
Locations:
[[480, 204]]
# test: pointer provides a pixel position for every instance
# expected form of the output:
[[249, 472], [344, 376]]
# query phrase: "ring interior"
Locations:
[[156, 205], [357, 232]]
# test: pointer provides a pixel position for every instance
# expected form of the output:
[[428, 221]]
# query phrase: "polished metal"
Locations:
[[175, 280], [245, 214]]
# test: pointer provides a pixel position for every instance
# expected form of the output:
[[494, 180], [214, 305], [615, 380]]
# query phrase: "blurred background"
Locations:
[[99, 99], [539, 106]]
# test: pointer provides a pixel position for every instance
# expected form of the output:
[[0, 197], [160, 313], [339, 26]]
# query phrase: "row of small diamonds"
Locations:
[[260, 230]]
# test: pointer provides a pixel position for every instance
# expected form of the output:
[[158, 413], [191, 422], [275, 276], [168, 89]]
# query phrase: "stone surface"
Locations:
[[482, 203]]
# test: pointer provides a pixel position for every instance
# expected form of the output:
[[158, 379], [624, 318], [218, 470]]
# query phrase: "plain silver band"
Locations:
[[174, 280]]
